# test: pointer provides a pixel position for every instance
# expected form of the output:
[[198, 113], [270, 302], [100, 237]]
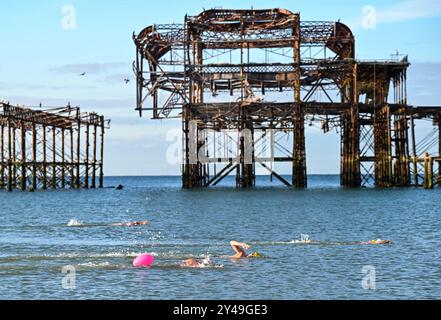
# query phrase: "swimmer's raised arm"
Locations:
[[239, 248]]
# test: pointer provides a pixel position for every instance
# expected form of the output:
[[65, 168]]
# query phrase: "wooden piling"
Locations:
[[94, 148], [34, 157], [101, 175], [299, 163], [54, 158], [78, 155], [72, 161], [439, 146], [414, 153], [2, 156], [14, 157], [44, 163], [428, 172], [86, 158], [23, 157], [9, 178], [63, 160], [299, 176]]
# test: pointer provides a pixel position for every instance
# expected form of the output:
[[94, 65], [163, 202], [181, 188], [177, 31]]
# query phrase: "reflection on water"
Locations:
[[310, 240]]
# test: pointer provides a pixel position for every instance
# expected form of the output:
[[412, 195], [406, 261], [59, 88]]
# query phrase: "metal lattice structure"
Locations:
[[248, 77], [50, 148]]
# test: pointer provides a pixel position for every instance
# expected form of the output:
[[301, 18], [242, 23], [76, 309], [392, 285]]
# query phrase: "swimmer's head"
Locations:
[[256, 255]]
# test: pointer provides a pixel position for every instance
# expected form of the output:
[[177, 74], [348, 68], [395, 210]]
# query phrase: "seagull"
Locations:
[[83, 74], [126, 81]]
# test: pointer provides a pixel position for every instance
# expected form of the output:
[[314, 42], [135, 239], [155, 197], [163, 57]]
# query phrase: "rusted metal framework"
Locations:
[[240, 78], [50, 148]]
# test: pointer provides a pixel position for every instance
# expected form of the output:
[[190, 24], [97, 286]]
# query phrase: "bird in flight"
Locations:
[[83, 74], [126, 81]]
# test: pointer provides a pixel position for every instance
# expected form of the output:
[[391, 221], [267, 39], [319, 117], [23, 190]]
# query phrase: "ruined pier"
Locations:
[[241, 78], [50, 148]]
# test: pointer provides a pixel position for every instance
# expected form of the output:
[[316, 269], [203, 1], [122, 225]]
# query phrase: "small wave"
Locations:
[[217, 266], [73, 256], [272, 243], [94, 264], [75, 223]]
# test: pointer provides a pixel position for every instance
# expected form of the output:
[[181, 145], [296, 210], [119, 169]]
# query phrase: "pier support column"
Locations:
[[351, 171], [299, 175], [34, 157], [23, 157], [300, 179], [101, 174], [428, 172], [382, 142], [414, 153], [93, 186], [439, 148], [2, 156], [44, 159], [86, 160], [78, 156], [54, 158], [402, 163], [192, 168], [351, 175], [9, 177], [14, 157], [246, 173], [63, 160], [72, 161]]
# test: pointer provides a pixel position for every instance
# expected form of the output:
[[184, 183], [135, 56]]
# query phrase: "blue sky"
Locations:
[[41, 61]]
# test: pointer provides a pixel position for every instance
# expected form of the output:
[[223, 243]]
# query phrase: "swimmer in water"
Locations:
[[131, 224], [240, 248], [196, 263], [379, 241]]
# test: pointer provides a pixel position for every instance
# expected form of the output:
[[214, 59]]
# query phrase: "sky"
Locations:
[[40, 61]]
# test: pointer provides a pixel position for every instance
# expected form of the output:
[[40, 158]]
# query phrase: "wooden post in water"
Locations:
[[72, 156], [2, 157], [414, 153], [439, 147], [14, 158], [9, 177], [78, 180], [34, 157], [94, 156], [86, 160], [428, 171], [54, 158], [63, 169], [430, 178], [23, 157], [388, 141], [101, 177], [299, 173], [44, 164]]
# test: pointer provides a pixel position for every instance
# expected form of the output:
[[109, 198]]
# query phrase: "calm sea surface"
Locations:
[[36, 242]]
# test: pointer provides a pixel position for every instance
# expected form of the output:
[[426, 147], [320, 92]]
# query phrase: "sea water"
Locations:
[[48, 239]]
